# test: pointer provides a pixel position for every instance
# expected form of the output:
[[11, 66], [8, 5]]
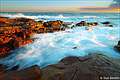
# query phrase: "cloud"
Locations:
[[113, 7], [115, 3], [99, 8]]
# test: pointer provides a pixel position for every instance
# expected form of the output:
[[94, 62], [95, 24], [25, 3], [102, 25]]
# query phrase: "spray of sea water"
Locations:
[[49, 48]]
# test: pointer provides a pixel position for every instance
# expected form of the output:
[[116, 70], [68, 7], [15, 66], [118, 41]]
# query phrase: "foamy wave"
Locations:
[[18, 15], [59, 16], [49, 48], [31, 17], [91, 17], [37, 17]]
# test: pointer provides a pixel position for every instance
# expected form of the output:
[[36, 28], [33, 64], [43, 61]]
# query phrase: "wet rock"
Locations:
[[92, 67], [22, 43], [95, 23], [41, 22], [17, 32], [74, 48], [70, 60], [4, 51], [39, 27], [52, 26], [107, 22], [82, 23], [110, 25], [14, 36], [32, 73], [4, 21], [92, 24], [117, 47], [14, 68], [68, 25], [2, 69]]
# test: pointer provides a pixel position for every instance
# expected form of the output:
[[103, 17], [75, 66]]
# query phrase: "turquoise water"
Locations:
[[49, 48]]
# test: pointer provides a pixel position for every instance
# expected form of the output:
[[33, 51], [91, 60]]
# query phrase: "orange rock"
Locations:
[[17, 32], [22, 43], [53, 25], [4, 51]]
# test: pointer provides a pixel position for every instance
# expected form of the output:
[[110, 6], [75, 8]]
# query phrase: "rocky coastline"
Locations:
[[90, 67], [18, 32]]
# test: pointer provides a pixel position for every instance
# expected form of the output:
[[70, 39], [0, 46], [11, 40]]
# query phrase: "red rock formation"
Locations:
[[15, 36], [52, 26], [4, 51], [17, 32], [19, 43]]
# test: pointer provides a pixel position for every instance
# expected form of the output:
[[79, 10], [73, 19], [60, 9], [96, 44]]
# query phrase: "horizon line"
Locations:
[[56, 12]]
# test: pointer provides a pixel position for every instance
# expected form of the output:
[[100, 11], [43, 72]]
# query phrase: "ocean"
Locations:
[[49, 48]]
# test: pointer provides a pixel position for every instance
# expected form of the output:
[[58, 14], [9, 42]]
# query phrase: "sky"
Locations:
[[59, 5]]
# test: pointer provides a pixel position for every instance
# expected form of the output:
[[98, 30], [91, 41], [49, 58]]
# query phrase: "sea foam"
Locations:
[[49, 48]]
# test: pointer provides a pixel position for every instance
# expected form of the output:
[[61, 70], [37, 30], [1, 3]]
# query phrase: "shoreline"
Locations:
[[17, 32], [93, 66]]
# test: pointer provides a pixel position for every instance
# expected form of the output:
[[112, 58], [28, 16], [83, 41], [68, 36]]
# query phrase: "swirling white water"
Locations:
[[49, 48]]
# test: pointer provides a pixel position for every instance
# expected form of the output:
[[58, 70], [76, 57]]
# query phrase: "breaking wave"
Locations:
[[31, 17], [59, 16], [49, 48]]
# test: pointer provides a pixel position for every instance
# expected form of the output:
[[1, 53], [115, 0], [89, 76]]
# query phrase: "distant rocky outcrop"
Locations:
[[107, 23], [84, 23]]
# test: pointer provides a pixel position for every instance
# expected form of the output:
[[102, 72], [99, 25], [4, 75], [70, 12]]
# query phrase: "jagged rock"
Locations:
[[4, 51], [17, 32], [11, 35], [53, 25], [74, 47], [107, 22], [2, 69], [68, 25], [84, 23], [32, 73], [117, 47], [92, 24], [110, 25], [92, 67]]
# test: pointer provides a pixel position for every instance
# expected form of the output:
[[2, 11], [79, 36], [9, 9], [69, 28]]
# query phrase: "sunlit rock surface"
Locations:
[[17, 32]]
